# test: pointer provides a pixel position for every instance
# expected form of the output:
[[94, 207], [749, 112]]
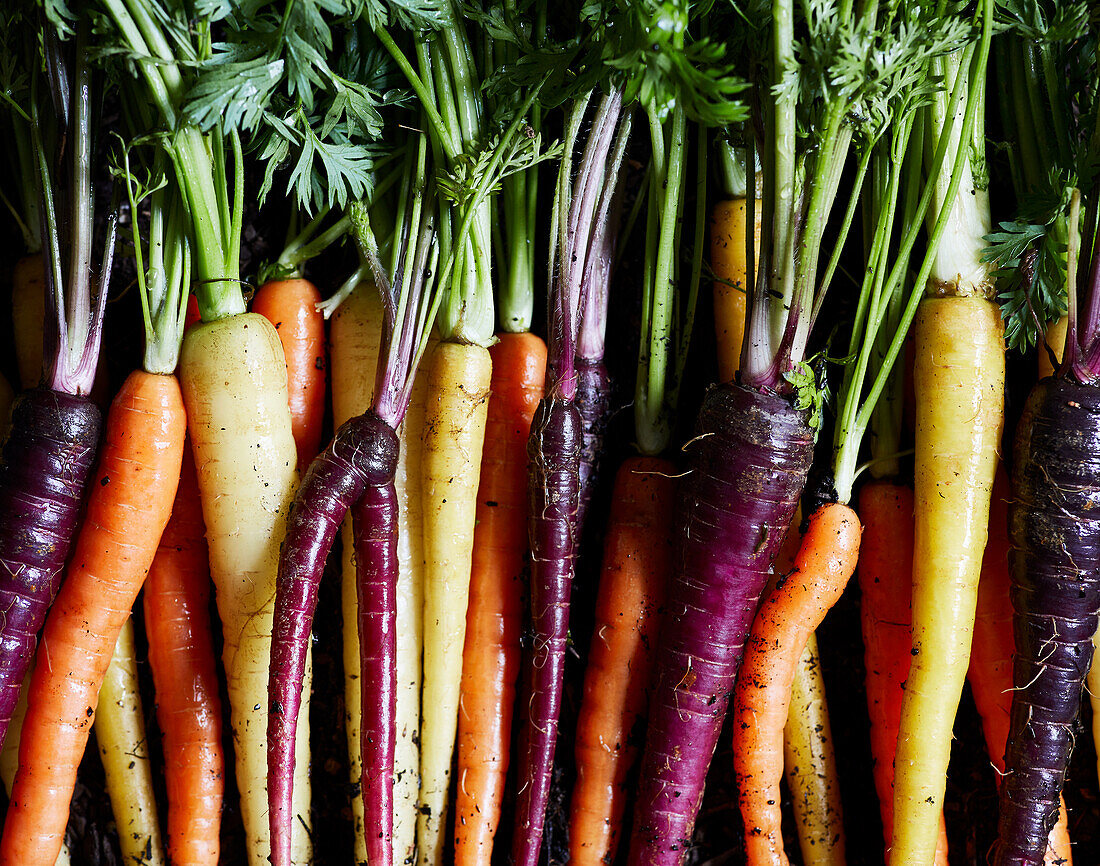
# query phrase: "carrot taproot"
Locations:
[[291, 306], [960, 398], [124, 750], [728, 239], [459, 377], [885, 583], [990, 671], [637, 561], [234, 386], [787, 617], [491, 655], [9, 757], [809, 764], [127, 512], [176, 602], [356, 331]]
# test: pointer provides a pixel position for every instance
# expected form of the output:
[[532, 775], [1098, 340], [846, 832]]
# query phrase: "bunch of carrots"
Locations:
[[570, 632]]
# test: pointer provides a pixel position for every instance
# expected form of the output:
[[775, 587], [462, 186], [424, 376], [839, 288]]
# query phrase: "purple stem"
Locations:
[[44, 467]]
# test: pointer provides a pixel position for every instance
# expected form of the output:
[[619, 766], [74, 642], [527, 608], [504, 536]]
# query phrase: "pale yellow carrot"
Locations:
[[454, 429], [120, 733], [234, 386], [810, 765]]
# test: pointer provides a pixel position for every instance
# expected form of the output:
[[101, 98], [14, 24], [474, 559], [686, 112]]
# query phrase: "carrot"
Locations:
[[123, 748], [959, 385], [356, 336], [181, 654], [990, 672], [728, 238], [129, 507], [234, 385], [459, 379], [780, 632], [809, 764], [960, 394], [28, 313], [491, 655], [637, 562], [885, 582], [291, 306]]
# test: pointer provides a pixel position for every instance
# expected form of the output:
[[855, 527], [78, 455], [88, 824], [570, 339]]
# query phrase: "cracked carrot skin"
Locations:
[[1054, 560]]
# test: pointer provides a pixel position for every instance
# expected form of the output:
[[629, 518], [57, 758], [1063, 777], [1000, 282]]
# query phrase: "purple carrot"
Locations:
[[747, 467], [593, 401], [554, 452], [44, 466], [356, 471], [48, 455], [1054, 521], [361, 456], [375, 518]]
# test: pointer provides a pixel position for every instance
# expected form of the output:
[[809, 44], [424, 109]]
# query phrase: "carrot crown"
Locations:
[[941, 122]]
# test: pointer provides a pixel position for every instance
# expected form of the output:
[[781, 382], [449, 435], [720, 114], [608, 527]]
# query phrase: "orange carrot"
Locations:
[[885, 582], [491, 656], [181, 654], [291, 306], [129, 505], [637, 561], [782, 627], [990, 672]]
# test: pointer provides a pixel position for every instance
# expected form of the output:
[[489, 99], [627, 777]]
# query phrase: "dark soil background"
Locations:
[[971, 797]]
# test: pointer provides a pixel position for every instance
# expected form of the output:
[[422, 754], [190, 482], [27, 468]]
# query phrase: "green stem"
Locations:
[[651, 421]]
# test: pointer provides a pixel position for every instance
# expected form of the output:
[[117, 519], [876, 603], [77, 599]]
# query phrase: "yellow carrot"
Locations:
[[728, 229], [355, 334], [454, 427], [28, 310], [959, 381], [120, 733], [234, 385], [810, 765]]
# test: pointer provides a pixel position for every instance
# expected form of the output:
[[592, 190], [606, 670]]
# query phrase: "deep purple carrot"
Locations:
[[1054, 522], [376, 577], [356, 471], [48, 455], [44, 467], [593, 400], [747, 467], [362, 456], [554, 452]]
